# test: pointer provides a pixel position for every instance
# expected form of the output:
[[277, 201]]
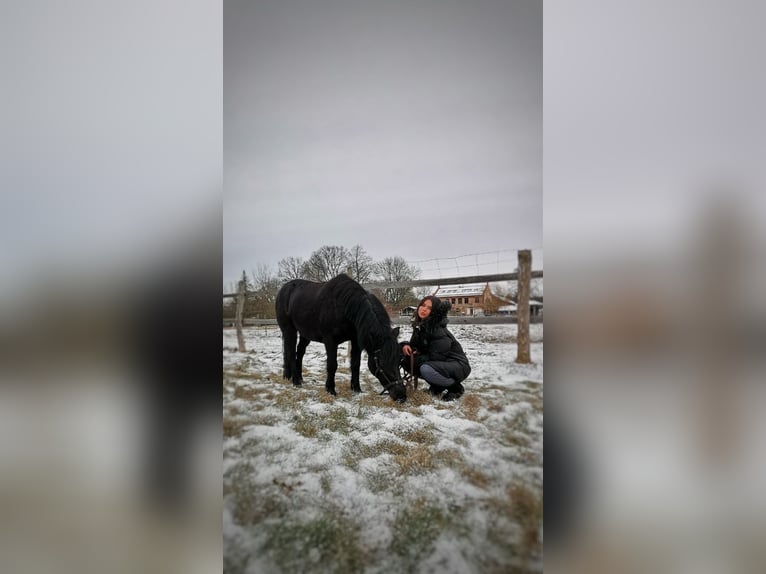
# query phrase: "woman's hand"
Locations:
[[407, 350]]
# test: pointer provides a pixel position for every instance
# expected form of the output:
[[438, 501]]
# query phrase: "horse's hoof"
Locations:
[[333, 393], [297, 383]]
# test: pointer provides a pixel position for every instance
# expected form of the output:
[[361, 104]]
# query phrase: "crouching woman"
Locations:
[[439, 357]]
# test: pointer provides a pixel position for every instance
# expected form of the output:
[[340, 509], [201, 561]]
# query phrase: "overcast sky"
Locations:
[[411, 128]]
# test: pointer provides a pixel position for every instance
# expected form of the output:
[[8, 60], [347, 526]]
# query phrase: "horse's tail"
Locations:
[[289, 333], [284, 299]]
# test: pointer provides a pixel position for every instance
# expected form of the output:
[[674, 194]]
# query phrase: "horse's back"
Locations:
[[298, 306], [316, 309]]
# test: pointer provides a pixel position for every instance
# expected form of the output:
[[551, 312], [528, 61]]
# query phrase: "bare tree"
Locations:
[[261, 276], [422, 291], [291, 268], [327, 262], [396, 269], [361, 265], [264, 292], [265, 283]]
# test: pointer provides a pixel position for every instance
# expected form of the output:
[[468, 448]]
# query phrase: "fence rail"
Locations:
[[523, 276], [428, 282], [404, 320]]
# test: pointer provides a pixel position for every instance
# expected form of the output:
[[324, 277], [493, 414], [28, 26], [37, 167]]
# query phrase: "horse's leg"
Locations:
[[332, 366], [356, 359], [289, 340], [303, 342]]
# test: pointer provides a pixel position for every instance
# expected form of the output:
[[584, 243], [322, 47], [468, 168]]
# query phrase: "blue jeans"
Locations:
[[434, 377]]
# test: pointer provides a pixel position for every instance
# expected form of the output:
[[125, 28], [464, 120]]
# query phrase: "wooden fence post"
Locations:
[[522, 306], [241, 294]]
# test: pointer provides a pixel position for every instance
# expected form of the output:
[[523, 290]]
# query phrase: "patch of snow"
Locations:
[[311, 474]]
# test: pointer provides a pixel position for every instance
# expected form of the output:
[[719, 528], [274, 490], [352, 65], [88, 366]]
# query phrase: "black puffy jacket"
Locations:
[[435, 345]]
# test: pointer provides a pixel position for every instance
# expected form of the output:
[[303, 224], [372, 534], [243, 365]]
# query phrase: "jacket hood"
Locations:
[[438, 317]]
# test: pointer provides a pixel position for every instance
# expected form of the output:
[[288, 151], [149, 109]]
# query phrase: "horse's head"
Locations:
[[383, 362]]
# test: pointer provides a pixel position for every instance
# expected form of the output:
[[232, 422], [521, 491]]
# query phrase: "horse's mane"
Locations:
[[370, 318]]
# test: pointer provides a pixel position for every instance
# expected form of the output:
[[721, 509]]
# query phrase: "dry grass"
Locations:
[[537, 405], [422, 458], [306, 425], [250, 392], [418, 525], [420, 397], [357, 451], [277, 378], [343, 388], [422, 435], [470, 405], [332, 537], [258, 505], [380, 480], [264, 419], [407, 457], [461, 441], [232, 426], [254, 503], [243, 370], [495, 406], [527, 510], [325, 483], [372, 400], [449, 457], [336, 421], [520, 421], [415, 460], [517, 519], [527, 457], [511, 437], [290, 399], [475, 476], [234, 420], [532, 386]]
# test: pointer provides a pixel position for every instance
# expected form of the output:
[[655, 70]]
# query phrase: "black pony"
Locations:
[[333, 312]]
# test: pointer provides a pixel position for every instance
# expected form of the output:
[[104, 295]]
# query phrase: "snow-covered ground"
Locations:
[[356, 483]]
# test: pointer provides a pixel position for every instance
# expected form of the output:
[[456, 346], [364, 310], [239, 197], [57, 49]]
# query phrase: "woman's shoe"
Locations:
[[435, 391], [454, 392]]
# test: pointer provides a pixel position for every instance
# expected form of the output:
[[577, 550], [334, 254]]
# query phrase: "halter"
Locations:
[[379, 370]]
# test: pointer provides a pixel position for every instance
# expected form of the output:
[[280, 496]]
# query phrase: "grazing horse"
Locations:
[[333, 312]]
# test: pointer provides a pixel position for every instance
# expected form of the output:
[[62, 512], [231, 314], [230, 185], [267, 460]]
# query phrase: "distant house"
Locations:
[[535, 308], [407, 311], [471, 299], [507, 309]]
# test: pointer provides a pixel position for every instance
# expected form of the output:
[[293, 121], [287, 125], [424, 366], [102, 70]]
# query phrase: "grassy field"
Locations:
[[357, 483]]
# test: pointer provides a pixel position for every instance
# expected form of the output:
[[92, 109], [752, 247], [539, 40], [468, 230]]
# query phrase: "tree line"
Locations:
[[325, 263]]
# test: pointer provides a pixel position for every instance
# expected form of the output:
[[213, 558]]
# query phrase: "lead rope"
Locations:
[[412, 370]]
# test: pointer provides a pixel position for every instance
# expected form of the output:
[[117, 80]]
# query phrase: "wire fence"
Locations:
[[484, 263], [523, 274]]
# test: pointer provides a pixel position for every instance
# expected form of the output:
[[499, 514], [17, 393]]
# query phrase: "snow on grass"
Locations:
[[357, 483]]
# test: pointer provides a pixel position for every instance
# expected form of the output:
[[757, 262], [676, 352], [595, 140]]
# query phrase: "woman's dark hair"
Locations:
[[435, 304]]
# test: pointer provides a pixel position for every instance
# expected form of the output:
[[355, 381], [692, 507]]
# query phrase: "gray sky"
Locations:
[[110, 136], [411, 128]]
